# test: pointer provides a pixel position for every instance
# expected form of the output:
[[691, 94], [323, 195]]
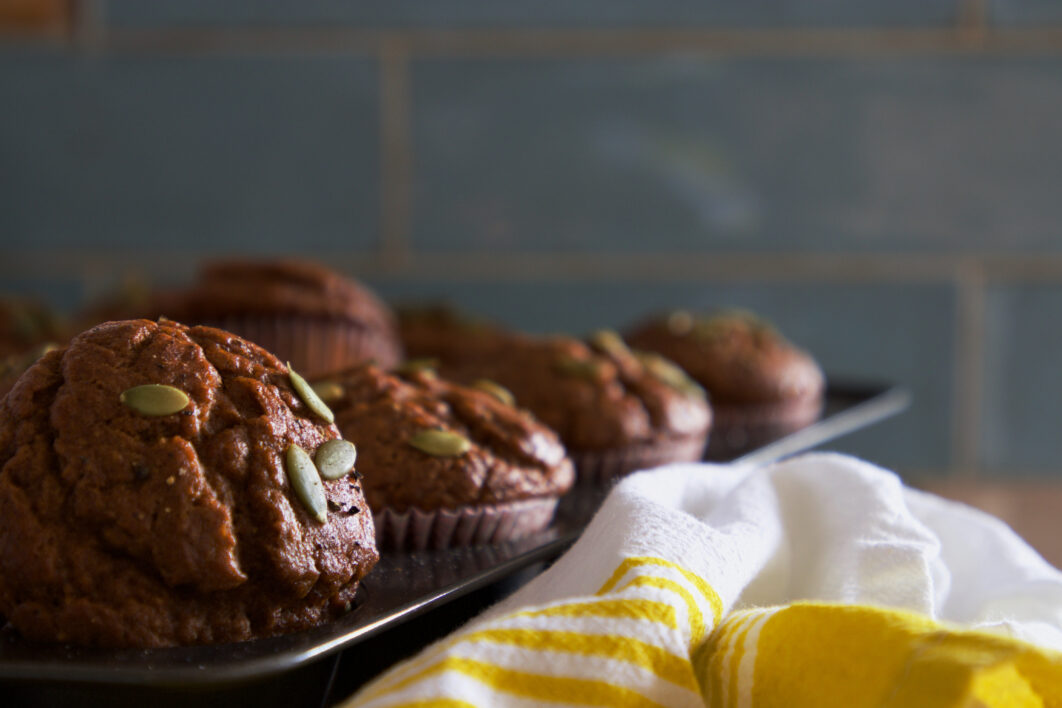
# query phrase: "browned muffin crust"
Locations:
[[301, 311], [124, 529], [293, 286], [442, 331], [510, 455], [596, 398], [739, 358]]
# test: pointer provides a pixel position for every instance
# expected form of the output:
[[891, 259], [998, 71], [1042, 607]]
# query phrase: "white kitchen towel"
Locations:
[[820, 580]]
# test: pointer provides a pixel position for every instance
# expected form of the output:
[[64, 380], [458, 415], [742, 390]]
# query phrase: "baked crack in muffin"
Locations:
[[148, 498], [444, 464], [615, 410]]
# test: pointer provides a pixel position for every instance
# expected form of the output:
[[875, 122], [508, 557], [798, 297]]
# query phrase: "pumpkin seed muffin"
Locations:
[[761, 386], [303, 312], [156, 489], [444, 464], [615, 410]]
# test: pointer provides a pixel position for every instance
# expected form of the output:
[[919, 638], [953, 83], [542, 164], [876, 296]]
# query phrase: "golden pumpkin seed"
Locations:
[[609, 342], [308, 396], [413, 366], [335, 458], [581, 368], [306, 482], [726, 321], [440, 443], [679, 322], [670, 373], [495, 389], [328, 390], [155, 399]]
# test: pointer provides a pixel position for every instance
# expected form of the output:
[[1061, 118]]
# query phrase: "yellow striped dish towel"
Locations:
[[818, 581]]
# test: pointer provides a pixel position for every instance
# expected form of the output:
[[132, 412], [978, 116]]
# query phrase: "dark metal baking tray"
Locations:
[[401, 587]]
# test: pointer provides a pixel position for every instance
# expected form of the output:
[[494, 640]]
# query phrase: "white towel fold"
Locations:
[[819, 580]]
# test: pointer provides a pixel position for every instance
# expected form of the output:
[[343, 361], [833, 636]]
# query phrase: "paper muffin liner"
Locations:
[[739, 429], [417, 530], [602, 467], [315, 347]]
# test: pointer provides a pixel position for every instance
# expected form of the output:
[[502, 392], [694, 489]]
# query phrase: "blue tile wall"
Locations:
[[548, 13], [920, 144], [63, 295], [1023, 386], [930, 153], [1025, 13], [862, 333], [203, 152]]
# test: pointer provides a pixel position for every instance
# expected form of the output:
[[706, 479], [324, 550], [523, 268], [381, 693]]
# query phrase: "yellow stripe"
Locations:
[[667, 616], [434, 703], [716, 650], [737, 655], [889, 657], [633, 608], [697, 581], [693, 610], [536, 686], [653, 659]]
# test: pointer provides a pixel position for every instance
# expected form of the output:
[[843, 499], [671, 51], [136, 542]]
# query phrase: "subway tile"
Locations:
[[1025, 13], [63, 294], [551, 13], [931, 153], [207, 152], [870, 334], [1022, 407]]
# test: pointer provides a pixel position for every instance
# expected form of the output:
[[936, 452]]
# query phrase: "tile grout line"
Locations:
[[970, 35], [396, 153], [481, 266], [967, 378]]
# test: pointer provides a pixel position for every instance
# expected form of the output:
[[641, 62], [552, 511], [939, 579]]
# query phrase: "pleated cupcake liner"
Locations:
[[315, 347], [416, 530], [737, 429], [603, 467]]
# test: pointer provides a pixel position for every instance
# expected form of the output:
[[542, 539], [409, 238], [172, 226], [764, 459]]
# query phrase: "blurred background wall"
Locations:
[[883, 180]]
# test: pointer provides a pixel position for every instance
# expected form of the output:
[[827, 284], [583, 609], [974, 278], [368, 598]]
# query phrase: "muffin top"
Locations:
[[146, 499], [245, 287], [441, 331], [432, 444], [738, 357], [597, 396]]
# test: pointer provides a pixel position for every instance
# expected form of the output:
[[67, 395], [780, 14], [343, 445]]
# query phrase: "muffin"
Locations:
[[760, 385], [441, 331], [154, 492], [615, 410], [303, 312], [446, 465]]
